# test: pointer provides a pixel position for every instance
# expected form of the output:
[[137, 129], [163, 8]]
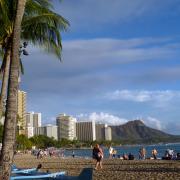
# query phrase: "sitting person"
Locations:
[[125, 157], [178, 156], [114, 153], [168, 154], [131, 156]]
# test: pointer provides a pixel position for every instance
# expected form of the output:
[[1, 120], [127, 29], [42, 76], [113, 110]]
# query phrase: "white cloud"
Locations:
[[102, 117], [143, 96], [154, 123], [107, 52], [116, 120]]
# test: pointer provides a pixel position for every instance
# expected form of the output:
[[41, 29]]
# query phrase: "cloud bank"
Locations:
[[110, 119], [144, 96]]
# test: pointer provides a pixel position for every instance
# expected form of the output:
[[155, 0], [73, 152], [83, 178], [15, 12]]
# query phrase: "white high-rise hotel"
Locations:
[[66, 127], [33, 120]]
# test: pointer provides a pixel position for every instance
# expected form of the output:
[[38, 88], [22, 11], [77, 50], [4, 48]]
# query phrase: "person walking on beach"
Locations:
[[98, 155], [110, 152], [114, 153], [154, 153], [73, 154]]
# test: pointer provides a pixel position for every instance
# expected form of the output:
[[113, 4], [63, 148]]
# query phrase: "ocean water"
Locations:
[[133, 149]]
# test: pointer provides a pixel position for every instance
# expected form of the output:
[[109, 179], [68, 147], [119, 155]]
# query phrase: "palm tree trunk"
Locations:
[[5, 81], [9, 134]]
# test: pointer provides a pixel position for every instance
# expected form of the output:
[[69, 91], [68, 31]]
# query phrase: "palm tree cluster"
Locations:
[[22, 21]]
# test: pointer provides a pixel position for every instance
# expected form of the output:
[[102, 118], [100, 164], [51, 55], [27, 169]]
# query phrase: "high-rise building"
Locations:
[[21, 102], [86, 131], [29, 119], [39, 131], [66, 127], [33, 119], [48, 130], [108, 133], [37, 120], [29, 131], [100, 132], [51, 131]]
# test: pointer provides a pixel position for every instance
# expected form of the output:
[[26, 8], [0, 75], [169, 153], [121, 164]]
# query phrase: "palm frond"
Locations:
[[44, 30]]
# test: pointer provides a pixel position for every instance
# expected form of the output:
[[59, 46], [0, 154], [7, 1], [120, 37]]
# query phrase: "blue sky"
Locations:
[[120, 62]]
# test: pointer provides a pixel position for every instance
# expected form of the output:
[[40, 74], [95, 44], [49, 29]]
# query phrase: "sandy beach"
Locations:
[[113, 169]]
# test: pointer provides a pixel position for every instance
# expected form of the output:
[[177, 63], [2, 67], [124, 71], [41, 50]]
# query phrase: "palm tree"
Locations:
[[50, 39], [40, 26], [11, 111]]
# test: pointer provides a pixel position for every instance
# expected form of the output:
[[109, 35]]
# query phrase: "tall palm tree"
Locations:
[[11, 111], [49, 38], [40, 26]]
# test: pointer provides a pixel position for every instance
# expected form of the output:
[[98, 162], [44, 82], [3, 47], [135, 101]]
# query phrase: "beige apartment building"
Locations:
[[21, 112]]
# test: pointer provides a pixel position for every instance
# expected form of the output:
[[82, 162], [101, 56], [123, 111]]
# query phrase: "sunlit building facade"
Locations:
[[66, 127], [86, 131], [21, 103], [108, 133], [47, 130], [100, 132]]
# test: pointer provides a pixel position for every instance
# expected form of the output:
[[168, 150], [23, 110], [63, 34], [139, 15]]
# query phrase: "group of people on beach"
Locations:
[[142, 153], [40, 153], [98, 155]]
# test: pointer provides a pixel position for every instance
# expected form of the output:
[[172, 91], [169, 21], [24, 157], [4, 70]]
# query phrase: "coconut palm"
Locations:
[[11, 112], [40, 26], [50, 39]]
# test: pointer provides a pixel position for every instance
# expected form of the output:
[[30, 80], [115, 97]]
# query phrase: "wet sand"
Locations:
[[113, 169]]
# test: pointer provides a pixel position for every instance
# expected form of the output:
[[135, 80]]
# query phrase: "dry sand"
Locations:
[[113, 169]]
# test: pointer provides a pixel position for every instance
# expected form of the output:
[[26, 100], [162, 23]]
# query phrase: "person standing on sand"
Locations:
[[142, 153], [98, 155], [110, 152], [154, 153]]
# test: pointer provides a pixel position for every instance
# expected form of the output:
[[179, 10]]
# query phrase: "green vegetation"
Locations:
[[43, 142], [23, 142]]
